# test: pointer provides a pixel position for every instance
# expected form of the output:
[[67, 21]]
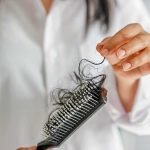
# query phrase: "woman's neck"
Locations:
[[47, 4]]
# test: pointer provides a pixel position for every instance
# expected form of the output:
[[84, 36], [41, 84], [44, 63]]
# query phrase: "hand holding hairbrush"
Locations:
[[81, 103]]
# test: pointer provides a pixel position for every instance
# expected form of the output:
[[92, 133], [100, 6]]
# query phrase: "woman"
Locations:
[[34, 44]]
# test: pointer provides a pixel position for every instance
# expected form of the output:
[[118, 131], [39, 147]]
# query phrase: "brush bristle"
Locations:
[[77, 109]]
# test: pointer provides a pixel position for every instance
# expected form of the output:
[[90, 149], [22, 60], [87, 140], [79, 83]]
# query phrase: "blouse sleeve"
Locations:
[[138, 120]]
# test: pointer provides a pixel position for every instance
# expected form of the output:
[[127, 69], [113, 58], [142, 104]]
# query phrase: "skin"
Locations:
[[47, 4], [128, 51], [29, 148], [132, 41]]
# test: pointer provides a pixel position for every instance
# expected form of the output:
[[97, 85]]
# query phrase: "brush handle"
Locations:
[[40, 148], [44, 145]]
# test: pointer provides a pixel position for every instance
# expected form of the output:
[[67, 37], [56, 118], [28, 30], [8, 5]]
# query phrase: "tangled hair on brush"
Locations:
[[74, 106], [82, 77]]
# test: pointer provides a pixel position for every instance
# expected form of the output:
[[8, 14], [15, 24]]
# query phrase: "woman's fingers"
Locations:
[[29, 148], [101, 44], [140, 71], [134, 62], [123, 36], [120, 38], [134, 73], [105, 40], [137, 44], [128, 51], [145, 69]]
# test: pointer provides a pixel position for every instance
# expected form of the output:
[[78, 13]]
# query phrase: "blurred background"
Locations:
[[147, 2], [134, 142]]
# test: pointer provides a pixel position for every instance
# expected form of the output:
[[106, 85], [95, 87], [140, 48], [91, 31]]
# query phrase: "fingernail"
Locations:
[[121, 53], [126, 66], [104, 52], [99, 46]]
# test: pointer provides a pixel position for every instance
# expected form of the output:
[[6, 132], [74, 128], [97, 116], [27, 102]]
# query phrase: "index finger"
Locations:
[[123, 36]]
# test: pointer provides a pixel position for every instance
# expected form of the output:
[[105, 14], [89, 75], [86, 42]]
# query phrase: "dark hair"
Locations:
[[101, 12]]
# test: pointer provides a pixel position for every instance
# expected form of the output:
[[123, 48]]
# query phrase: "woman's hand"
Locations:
[[128, 51], [29, 148]]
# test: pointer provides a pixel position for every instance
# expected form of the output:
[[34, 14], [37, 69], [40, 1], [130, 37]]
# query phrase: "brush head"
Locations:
[[76, 107], [82, 104]]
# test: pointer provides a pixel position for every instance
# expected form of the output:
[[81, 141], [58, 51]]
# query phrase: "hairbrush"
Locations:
[[77, 107]]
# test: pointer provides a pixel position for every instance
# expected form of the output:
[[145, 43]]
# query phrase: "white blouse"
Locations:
[[39, 51]]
